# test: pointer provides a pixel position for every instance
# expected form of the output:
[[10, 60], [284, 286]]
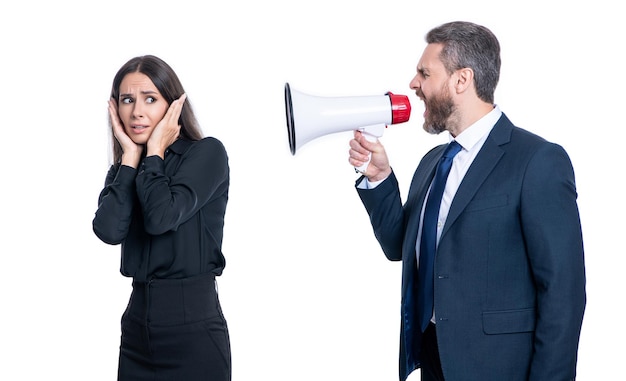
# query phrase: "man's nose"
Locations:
[[415, 83]]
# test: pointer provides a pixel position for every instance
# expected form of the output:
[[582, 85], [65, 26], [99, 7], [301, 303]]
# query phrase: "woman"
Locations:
[[164, 201]]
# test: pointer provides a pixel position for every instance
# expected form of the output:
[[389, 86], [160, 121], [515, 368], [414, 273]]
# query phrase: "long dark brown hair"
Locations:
[[168, 84]]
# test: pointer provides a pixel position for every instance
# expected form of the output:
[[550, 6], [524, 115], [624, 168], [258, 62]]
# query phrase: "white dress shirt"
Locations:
[[471, 141]]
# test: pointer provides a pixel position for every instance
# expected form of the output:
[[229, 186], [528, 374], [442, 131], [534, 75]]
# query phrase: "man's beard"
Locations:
[[440, 108]]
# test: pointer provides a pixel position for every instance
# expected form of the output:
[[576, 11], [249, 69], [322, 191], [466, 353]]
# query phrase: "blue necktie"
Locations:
[[428, 244]]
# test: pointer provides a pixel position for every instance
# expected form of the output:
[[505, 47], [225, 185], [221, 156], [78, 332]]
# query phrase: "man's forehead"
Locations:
[[430, 56]]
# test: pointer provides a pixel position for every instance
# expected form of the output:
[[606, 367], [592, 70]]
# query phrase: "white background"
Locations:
[[307, 292]]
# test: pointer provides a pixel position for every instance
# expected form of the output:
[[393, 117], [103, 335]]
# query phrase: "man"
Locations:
[[505, 295]]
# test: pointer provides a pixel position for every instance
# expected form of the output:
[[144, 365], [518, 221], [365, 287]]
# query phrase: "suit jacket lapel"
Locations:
[[482, 166]]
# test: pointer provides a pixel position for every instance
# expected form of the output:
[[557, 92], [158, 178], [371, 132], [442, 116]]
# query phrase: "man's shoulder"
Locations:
[[506, 132]]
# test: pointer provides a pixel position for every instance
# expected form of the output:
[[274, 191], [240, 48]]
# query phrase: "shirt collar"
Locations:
[[482, 127]]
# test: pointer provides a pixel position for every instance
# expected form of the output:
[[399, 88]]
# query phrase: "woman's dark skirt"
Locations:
[[174, 329]]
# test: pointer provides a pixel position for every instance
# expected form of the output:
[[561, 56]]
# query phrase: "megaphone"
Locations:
[[309, 117]]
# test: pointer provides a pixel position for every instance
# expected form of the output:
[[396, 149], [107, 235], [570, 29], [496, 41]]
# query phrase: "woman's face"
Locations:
[[140, 106]]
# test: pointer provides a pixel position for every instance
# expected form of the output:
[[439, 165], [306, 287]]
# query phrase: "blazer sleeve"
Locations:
[[552, 230], [384, 207]]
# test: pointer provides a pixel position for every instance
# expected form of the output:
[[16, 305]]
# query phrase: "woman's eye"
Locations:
[[127, 100], [150, 100]]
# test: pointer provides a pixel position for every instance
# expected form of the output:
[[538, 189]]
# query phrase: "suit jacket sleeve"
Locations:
[[384, 206], [551, 227]]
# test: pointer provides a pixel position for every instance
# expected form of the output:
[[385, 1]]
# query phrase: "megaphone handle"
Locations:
[[371, 138]]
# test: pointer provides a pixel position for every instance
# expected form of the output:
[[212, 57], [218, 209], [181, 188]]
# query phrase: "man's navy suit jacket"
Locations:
[[509, 268]]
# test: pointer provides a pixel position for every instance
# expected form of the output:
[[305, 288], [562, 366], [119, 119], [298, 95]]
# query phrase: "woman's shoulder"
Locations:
[[210, 147], [210, 142]]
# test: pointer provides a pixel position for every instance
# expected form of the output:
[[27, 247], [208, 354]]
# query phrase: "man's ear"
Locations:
[[465, 78]]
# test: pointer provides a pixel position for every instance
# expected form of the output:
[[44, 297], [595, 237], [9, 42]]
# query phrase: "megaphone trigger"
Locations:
[[371, 134]]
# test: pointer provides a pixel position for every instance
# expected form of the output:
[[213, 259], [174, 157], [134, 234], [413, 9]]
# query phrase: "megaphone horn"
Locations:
[[309, 117]]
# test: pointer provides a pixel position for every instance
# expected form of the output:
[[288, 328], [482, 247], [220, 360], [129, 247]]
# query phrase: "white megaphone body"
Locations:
[[310, 117]]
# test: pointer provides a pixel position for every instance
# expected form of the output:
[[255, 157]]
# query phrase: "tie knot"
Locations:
[[452, 149]]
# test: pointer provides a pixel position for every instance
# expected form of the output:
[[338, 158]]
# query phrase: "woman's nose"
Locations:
[[137, 110]]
